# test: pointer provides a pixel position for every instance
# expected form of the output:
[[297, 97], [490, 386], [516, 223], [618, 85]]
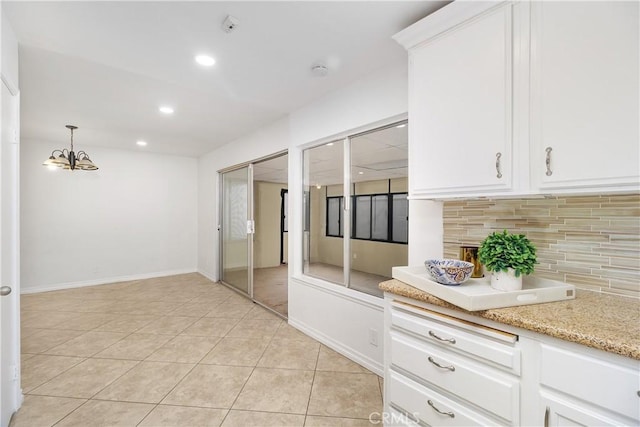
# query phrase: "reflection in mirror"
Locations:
[[323, 206]]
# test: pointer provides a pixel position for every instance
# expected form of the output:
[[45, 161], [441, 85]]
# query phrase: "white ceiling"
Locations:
[[107, 66]]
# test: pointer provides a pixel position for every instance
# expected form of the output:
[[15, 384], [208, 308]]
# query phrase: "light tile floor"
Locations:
[[179, 351]]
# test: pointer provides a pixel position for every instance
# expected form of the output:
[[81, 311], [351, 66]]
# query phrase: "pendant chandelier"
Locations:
[[67, 159]]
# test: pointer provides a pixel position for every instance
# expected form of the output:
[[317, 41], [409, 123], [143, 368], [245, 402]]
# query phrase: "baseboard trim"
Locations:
[[106, 280], [340, 347], [208, 275]]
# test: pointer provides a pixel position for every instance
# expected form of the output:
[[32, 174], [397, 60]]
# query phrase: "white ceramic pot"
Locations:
[[506, 280]]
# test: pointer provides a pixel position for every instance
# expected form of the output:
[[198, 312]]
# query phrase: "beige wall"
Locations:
[[592, 242], [367, 256], [266, 240]]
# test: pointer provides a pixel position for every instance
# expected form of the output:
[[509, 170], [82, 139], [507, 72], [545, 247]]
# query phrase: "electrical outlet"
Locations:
[[373, 337]]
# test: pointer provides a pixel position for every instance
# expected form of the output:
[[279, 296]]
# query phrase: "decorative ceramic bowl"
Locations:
[[449, 271]]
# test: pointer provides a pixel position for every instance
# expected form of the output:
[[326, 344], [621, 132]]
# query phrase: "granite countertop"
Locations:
[[606, 322]]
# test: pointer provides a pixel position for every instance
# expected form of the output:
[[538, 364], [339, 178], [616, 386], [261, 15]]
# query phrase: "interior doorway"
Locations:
[[254, 231]]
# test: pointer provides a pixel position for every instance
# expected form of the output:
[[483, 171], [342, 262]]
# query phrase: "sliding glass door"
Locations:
[[237, 229], [254, 231]]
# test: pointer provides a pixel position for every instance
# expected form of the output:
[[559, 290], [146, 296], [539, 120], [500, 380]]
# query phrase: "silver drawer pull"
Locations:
[[450, 340], [451, 368], [449, 414], [547, 161], [498, 172], [546, 417]]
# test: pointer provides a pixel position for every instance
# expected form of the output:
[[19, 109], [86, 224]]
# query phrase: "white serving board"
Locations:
[[477, 294]]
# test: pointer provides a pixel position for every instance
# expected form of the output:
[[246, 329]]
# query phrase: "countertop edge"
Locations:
[[565, 323]]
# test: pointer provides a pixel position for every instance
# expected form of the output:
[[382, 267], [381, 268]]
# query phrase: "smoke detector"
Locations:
[[319, 70], [230, 23]]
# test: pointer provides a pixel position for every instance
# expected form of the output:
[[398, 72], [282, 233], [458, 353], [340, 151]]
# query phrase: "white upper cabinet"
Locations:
[[460, 107], [517, 98], [584, 80]]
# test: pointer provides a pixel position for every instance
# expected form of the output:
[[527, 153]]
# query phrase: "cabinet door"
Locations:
[[460, 110], [585, 106], [561, 413]]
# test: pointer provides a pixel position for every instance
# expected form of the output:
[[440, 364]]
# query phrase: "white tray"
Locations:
[[477, 294]]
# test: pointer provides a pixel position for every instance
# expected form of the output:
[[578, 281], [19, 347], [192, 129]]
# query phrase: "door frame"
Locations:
[[10, 358]]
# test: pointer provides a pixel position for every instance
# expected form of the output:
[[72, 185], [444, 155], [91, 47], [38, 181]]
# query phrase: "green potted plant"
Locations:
[[508, 257]]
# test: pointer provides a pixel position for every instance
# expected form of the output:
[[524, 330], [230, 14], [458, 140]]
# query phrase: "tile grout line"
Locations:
[[313, 380], [111, 382], [186, 374], [196, 364], [252, 369]]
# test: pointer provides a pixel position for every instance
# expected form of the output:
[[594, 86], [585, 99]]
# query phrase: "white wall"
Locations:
[[376, 99], [379, 98], [135, 217]]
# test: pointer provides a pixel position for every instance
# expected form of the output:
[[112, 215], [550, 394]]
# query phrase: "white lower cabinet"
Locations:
[[441, 371], [445, 370], [562, 412], [584, 389]]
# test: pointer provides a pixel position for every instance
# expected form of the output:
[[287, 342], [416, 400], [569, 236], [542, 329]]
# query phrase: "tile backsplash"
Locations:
[[592, 242]]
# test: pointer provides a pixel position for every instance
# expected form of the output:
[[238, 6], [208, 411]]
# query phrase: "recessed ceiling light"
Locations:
[[142, 143], [165, 109], [401, 126], [205, 60], [318, 186], [330, 144], [360, 173]]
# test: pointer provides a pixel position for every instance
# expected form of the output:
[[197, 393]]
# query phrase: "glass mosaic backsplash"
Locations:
[[592, 242]]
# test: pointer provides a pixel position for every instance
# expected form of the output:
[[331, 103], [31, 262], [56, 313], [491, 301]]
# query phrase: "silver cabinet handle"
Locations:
[[449, 414], [5, 290], [547, 161], [451, 368], [546, 417], [499, 174], [449, 340]]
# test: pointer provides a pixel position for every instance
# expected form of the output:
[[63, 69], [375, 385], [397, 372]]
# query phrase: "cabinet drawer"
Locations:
[[395, 418], [491, 345], [413, 399], [487, 388], [596, 381]]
